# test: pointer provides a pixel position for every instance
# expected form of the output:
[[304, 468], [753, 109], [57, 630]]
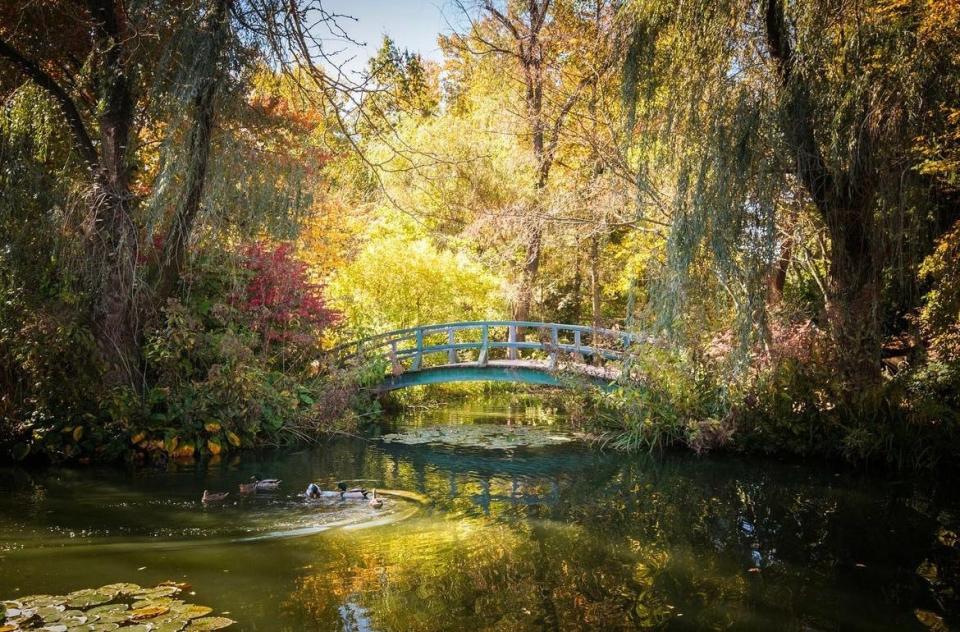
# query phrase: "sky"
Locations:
[[412, 24]]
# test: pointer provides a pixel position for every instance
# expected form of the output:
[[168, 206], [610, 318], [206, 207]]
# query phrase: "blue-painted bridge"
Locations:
[[552, 354]]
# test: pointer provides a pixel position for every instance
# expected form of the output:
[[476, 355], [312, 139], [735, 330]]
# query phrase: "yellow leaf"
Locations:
[[170, 445], [78, 433], [137, 438], [214, 446], [233, 439], [212, 426]]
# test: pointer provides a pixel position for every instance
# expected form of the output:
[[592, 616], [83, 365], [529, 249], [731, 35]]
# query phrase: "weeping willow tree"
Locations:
[[756, 103], [146, 103]]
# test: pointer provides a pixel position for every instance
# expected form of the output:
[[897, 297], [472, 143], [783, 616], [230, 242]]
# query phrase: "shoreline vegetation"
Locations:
[[194, 207]]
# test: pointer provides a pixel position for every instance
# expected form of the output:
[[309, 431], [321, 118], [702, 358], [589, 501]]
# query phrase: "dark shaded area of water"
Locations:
[[566, 537]]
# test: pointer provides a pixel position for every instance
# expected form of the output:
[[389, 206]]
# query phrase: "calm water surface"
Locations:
[[560, 538]]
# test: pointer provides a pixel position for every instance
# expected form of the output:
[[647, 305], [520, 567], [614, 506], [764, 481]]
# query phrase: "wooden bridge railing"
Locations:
[[415, 343]]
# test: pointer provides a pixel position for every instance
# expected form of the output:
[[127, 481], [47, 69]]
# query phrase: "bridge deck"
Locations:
[[522, 371]]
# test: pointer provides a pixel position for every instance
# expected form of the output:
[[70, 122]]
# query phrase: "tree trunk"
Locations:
[[198, 148], [853, 300], [577, 284], [845, 204], [531, 267], [113, 235], [595, 281], [778, 274]]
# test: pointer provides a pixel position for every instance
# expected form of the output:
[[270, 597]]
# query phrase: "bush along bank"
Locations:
[[789, 402], [237, 364]]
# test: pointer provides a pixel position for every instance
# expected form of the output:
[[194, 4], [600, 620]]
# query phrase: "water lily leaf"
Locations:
[[194, 611], [148, 612], [120, 589], [85, 599], [210, 623], [173, 625], [50, 614], [73, 617], [158, 601], [179, 585], [158, 591], [111, 608], [103, 627]]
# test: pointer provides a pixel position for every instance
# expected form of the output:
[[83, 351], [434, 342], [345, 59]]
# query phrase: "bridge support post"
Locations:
[[576, 343], [485, 346], [512, 339], [452, 352]]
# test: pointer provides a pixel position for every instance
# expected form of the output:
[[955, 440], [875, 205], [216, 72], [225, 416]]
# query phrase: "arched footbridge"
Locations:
[[552, 354]]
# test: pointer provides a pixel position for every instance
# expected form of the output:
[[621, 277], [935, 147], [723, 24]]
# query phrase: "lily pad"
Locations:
[[109, 608], [193, 611], [148, 612], [210, 623], [88, 598], [122, 588]]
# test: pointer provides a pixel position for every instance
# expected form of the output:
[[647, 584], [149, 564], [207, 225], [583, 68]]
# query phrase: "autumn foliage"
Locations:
[[285, 306]]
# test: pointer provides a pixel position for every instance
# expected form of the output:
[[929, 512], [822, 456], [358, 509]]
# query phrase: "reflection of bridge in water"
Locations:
[[491, 351], [522, 470]]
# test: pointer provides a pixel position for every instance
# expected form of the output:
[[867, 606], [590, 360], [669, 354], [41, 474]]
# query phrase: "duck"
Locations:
[[375, 502], [248, 488], [343, 493], [267, 484], [213, 498]]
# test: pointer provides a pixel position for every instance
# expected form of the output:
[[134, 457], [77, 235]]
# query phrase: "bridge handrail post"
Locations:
[[512, 340], [418, 359], [555, 347], [452, 352], [485, 345], [577, 344], [395, 365]]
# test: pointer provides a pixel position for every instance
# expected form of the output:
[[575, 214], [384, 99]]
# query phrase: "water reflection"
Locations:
[[562, 538]]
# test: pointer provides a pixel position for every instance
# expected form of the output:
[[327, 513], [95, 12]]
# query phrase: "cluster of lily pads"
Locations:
[[125, 607], [488, 436]]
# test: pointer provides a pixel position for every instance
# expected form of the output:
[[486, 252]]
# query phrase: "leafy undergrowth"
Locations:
[[123, 606]]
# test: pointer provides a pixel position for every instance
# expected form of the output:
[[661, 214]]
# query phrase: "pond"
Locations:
[[492, 531]]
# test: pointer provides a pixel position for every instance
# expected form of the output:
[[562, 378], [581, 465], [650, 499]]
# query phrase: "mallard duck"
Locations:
[[248, 488], [267, 485], [375, 502], [213, 498], [356, 492]]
